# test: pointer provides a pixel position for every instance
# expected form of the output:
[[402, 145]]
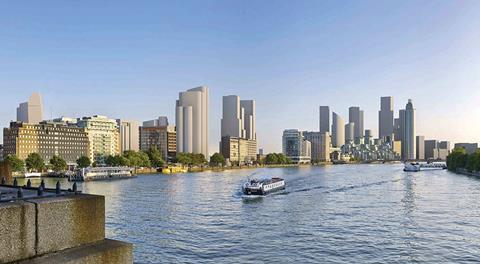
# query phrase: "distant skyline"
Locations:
[[130, 60]]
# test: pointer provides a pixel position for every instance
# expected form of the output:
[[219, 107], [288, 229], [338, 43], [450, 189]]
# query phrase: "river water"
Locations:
[[331, 214]]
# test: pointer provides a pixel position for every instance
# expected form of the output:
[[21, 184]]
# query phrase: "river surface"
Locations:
[[331, 214]]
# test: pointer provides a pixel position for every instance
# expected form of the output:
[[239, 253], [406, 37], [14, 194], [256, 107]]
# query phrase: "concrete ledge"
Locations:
[[106, 251], [17, 229], [69, 221]]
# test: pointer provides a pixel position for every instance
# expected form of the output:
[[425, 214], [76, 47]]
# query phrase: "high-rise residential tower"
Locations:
[[31, 112], [420, 148], [355, 115], [324, 120], [129, 135], [349, 132], [409, 135], [385, 117], [338, 130], [191, 119], [238, 136]]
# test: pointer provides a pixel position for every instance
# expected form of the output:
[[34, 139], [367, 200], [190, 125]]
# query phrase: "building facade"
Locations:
[[164, 138], [238, 151], [410, 132], [470, 148], [191, 118], [103, 136], [296, 147], [320, 145], [349, 133], [238, 130], [385, 117], [338, 131], [31, 112], [129, 135], [324, 119], [355, 115], [47, 139], [420, 153]]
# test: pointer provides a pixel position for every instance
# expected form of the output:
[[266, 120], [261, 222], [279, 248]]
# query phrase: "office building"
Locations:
[[129, 135], [239, 140], [368, 138], [470, 148], [191, 118], [355, 115], [410, 132], [431, 149], [47, 139], [295, 147], [349, 133], [324, 119], [420, 153], [238, 151], [31, 112], [338, 130], [103, 136], [385, 117], [163, 138], [162, 121], [320, 145]]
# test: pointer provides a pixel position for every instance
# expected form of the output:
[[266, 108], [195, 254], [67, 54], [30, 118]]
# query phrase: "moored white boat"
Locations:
[[416, 166], [32, 174], [102, 173]]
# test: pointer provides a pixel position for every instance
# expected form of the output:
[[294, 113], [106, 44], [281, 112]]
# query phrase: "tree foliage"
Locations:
[[155, 157], [457, 159], [217, 159], [191, 159], [116, 160], [34, 162], [277, 158], [83, 162], [15, 163], [137, 159], [58, 164]]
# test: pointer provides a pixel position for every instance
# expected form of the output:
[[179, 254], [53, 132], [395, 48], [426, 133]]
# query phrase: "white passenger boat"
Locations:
[[417, 166], [263, 187], [102, 173], [32, 174]]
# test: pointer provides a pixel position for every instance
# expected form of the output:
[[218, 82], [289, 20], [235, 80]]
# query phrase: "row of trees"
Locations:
[[460, 159], [35, 162], [276, 158], [130, 158]]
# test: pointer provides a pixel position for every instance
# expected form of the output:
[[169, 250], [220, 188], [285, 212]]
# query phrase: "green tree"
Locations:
[[34, 162], [183, 158], [271, 158], [15, 163], [216, 159], [83, 162], [155, 157], [457, 159], [58, 164], [137, 159]]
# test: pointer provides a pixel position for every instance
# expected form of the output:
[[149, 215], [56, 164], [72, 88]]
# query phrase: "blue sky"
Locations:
[[129, 59]]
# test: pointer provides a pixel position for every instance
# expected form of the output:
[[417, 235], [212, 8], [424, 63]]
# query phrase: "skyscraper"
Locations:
[[385, 117], [420, 148], [129, 135], [338, 130], [238, 136], [355, 115], [349, 132], [324, 119], [409, 132], [191, 119], [31, 111]]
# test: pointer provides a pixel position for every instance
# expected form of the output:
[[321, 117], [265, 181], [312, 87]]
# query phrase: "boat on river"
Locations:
[[423, 166], [263, 187], [102, 173]]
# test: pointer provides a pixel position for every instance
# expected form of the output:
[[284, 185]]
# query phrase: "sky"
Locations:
[[130, 59]]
